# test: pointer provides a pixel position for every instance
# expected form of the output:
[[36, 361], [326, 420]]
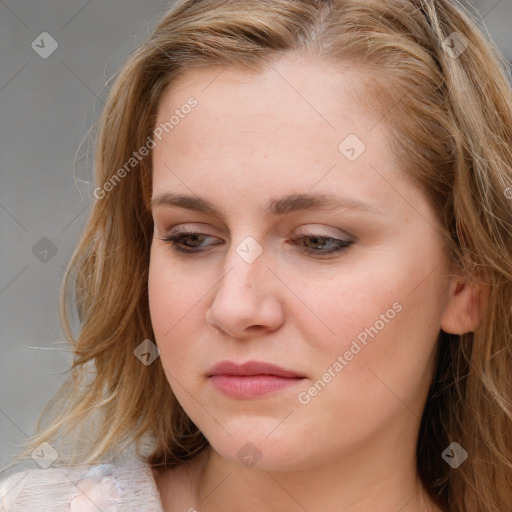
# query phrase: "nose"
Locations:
[[248, 297]]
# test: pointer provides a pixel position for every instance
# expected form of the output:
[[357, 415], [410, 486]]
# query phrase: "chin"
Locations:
[[262, 448]]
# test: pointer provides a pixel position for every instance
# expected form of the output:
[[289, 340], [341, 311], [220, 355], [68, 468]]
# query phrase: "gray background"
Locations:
[[47, 106]]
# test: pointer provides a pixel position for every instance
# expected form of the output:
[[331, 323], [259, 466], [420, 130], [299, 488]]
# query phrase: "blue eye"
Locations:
[[315, 247]]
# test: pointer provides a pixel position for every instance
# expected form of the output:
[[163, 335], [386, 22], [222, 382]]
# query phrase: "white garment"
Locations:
[[125, 487]]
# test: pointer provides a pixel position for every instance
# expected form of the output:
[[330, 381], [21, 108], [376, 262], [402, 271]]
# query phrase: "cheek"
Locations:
[[386, 322], [175, 305], [173, 292], [161, 302], [349, 306], [177, 313]]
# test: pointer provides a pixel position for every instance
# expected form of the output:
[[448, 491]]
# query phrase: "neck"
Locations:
[[361, 481]]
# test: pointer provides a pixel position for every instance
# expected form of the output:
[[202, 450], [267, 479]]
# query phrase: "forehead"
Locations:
[[283, 128], [290, 90], [295, 100]]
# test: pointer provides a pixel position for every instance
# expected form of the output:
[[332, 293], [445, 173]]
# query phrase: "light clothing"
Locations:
[[125, 487]]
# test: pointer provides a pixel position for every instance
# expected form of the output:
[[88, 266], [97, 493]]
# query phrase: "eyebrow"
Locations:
[[275, 207]]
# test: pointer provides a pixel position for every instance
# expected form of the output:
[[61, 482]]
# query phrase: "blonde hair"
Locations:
[[449, 119]]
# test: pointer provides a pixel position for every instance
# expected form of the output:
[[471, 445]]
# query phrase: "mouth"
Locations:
[[252, 379]]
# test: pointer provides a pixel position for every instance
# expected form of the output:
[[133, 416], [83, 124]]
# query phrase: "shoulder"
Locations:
[[49, 488], [125, 487]]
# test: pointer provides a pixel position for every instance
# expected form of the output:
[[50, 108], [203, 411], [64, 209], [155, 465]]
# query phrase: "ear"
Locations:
[[464, 308]]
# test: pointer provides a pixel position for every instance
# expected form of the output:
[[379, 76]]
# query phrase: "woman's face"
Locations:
[[354, 317]]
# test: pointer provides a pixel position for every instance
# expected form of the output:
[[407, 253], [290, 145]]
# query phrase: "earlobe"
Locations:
[[465, 307]]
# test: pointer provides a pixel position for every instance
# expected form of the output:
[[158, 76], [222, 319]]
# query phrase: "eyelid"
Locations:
[[313, 230], [319, 230], [180, 228]]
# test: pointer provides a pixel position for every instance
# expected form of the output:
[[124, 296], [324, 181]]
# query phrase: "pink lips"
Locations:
[[251, 379]]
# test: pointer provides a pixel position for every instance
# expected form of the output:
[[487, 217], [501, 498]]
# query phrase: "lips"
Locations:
[[251, 368], [253, 379]]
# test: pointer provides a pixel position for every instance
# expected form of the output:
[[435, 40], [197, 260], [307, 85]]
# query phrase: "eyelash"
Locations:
[[343, 245]]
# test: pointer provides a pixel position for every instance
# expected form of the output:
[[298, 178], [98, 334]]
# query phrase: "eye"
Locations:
[[178, 240], [190, 242], [319, 242]]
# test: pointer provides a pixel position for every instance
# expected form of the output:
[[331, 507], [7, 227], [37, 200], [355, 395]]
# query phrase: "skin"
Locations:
[[352, 447]]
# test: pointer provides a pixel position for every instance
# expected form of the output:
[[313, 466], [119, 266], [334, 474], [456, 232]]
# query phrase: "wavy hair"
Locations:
[[442, 89]]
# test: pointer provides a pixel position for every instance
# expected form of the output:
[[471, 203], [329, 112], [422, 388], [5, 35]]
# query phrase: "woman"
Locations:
[[295, 283]]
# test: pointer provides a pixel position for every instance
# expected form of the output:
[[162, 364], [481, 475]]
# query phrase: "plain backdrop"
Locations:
[[55, 61]]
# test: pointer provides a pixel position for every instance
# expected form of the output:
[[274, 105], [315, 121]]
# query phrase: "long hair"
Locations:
[[443, 92]]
